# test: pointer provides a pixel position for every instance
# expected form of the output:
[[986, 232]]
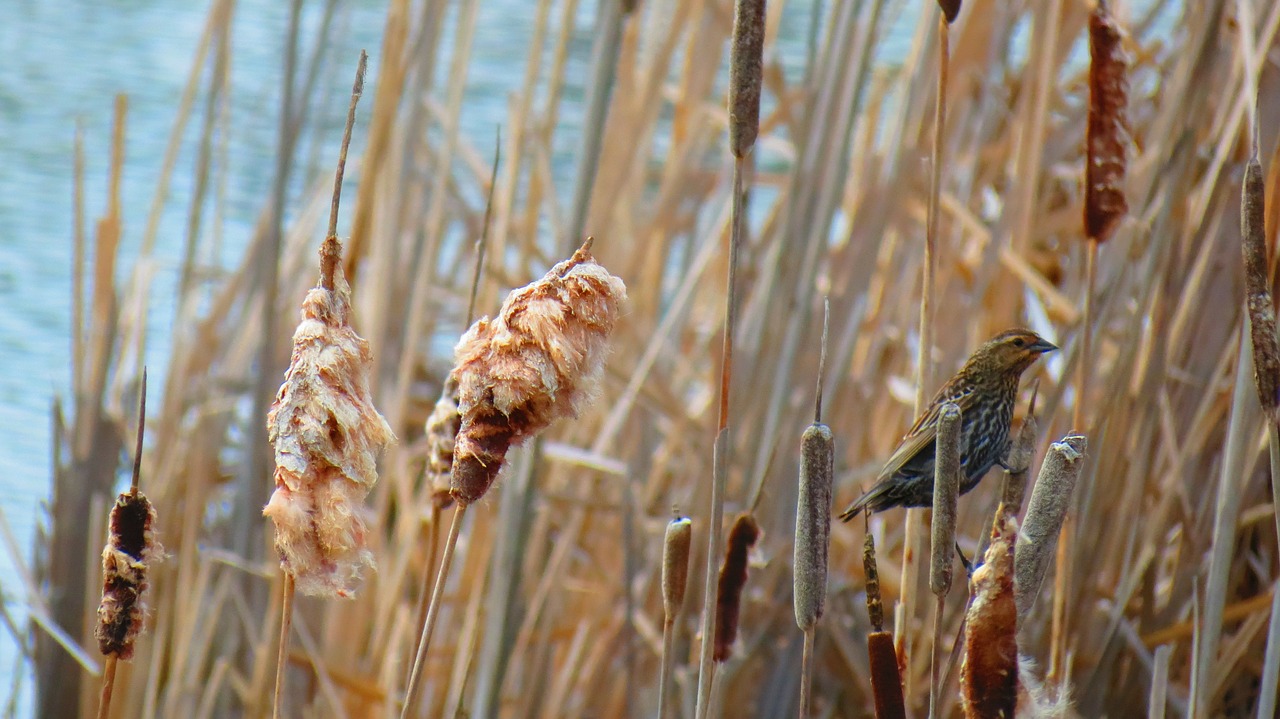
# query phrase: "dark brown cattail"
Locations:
[[675, 565], [539, 360], [886, 676], [327, 435], [875, 606], [1050, 500], [442, 431], [1262, 317], [989, 672], [950, 9], [946, 489], [131, 547], [813, 523], [733, 578], [745, 74], [1107, 134]]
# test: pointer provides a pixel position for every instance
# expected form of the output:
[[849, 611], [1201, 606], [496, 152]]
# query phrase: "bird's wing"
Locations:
[[923, 433]]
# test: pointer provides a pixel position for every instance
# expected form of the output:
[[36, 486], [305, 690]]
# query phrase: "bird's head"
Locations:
[[1013, 350]]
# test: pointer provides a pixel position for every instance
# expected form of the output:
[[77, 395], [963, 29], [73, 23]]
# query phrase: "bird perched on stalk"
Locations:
[[985, 389]]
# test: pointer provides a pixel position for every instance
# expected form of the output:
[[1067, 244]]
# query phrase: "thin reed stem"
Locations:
[[108, 686], [282, 654], [664, 679], [433, 611], [806, 671], [328, 266]]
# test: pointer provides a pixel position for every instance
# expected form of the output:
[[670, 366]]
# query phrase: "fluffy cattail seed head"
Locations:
[[442, 431], [539, 360], [1050, 500], [733, 578], [813, 523], [131, 548], [1107, 133], [327, 435], [989, 672], [675, 565]]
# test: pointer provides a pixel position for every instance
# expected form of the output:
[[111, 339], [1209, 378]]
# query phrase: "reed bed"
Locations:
[[554, 606]]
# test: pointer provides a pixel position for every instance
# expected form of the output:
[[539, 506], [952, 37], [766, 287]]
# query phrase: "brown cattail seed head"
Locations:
[[950, 9], [441, 432], [875, 606], [733, 577], [813, 523], [675, 565], [1050, 500], [989, 672], [1262, 316], [745, 74], [1107, 133], [131, 547], [886, 677], [327, 435], [946, 489], [539, 360]]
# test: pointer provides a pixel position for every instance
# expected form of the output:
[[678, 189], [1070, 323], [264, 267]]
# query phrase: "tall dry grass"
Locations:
[[554, 607]]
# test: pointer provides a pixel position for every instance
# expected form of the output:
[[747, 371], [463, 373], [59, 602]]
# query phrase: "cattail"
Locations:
[[1050, 500], [813, 523], [1104, 203], [745, 74], [946, 488], [733, 577], [675, 565], [131, 547], [1262, 317], [327, 435], [950, 9], [441, 432], [539, 360], [886, 676], [989, 672], [1021, 452]]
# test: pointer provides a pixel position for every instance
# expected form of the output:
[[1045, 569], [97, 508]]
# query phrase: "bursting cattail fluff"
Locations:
[[813, 523], [131, 548], [1107, 132], [733, 578], [1262, 316], [539, 360], [989, 672], [327, 435], [675, 565], [1046, 511], [441, 432]]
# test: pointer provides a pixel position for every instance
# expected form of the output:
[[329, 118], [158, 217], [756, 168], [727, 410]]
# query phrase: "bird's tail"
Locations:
[[876, 499]]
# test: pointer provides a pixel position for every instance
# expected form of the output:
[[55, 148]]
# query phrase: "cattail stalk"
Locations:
[[989, 672], [539, 360], [131, 549], [1045, 513], [946, 490], [675, 578], [886, 677], [745, 81], [813, 526], [326, 434]]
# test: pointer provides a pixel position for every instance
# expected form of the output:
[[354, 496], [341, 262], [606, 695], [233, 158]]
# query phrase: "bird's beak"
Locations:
[[1042, 346]]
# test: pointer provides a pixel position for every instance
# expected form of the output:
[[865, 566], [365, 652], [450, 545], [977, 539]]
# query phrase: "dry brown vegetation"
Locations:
[[554, 607]]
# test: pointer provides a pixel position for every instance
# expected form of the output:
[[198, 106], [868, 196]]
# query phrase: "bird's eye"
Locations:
[[1019, 342]]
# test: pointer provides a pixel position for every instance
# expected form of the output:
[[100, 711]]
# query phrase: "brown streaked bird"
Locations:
[[985, 389]]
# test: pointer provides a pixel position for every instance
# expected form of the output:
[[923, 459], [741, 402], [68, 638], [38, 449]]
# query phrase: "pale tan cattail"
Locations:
[[131, 548], [989, 670], [539, 360], [1046, 511], [1262, 316], [946, 490], [733, 578], [813, 523], [1107, 133], [442, 432], [950, 9], [745, 75], [675, 565], [327, 435]]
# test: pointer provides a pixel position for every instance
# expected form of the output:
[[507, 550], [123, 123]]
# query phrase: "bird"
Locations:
[[985, 389]]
